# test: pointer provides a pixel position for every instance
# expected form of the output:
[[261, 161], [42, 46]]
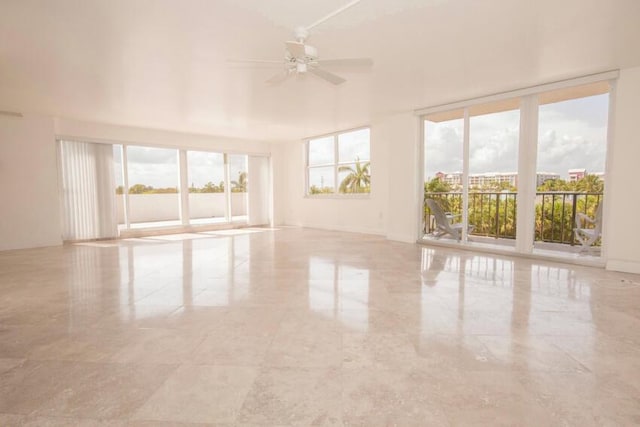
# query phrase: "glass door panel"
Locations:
[[494, 131], [238, 179], [207, 192], [572, 148], [443, 164], [154, 180]]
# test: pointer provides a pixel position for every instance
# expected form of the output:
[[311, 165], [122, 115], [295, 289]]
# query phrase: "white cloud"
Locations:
[[572, 134]]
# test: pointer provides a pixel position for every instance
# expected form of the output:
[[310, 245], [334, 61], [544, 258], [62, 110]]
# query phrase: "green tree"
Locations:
[[119, 189], [320, 190], [210, 187], [590, 184], [554, 185], [358, 180], [166, 190], [140, 189], [147, 189], [436, 185], [240, 186], [504, 186], [194, 189]]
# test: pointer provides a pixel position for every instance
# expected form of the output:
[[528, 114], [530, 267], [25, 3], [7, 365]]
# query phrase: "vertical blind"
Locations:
[[88, 194]]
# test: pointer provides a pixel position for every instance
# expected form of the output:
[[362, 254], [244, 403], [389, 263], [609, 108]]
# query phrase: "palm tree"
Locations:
[[556, 184], [240, 186], [590, 184], [210, 187], [358, 180], [436, 185]]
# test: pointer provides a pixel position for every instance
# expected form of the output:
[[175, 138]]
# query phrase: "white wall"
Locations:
[[622, 189], [29, 212], [402, 132], [364, 214], [279, 178]]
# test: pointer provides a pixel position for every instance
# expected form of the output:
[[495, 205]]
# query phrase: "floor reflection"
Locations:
[[390, 332], [339, 289]]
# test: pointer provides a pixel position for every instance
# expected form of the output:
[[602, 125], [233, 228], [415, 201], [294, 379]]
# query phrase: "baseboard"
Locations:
[[623, 266], [401, 238]]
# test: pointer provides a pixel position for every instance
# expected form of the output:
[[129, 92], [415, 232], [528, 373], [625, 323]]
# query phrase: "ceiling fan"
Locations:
[[301, 58]]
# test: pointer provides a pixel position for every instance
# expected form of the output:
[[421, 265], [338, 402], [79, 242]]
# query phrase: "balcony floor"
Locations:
[[560, 251], [178, 223]]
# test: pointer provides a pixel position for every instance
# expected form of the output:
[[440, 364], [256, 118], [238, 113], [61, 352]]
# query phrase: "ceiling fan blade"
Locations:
[[279, 78], [295, 49], [325, 75], [352, 62]]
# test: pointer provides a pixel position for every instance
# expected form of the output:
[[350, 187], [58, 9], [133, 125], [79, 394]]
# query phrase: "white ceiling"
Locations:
[[163, 63]]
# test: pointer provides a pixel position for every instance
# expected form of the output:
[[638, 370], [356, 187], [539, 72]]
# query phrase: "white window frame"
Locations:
[[183, 190], [527, 152], [335, 164]]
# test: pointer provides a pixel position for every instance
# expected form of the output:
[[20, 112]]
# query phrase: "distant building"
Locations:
[[454, 179], [576, 174], [542, 177], [489, 178]]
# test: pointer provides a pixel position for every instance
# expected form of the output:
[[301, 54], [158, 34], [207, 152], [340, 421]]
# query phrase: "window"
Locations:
[[167, 187], [207, 198], [519, 171], [339, 163], [239, 183], [154, 181]]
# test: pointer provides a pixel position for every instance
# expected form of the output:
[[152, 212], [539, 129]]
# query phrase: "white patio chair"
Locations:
[[588, 229], [444, 224]]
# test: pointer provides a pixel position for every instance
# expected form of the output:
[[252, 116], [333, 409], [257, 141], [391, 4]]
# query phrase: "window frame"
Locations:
[[183, 187], [528, 145], [336, 194]]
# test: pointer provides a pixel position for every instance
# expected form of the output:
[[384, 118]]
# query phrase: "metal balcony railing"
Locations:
[[493, 214]]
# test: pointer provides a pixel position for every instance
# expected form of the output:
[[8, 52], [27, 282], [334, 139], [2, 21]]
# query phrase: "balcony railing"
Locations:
[[494, 214]]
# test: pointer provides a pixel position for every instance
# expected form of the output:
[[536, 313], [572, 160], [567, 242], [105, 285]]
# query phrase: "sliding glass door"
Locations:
[[471, 173], [443, 164], [207, 187], [519, 170], [154, 182], [239, 180], [493, 171], [110, 188], [572, 148]]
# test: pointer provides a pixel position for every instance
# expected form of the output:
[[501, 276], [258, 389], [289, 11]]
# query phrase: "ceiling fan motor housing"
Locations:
[[310, 52]]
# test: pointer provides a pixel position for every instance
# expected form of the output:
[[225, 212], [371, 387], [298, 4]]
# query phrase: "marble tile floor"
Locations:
[[306, 327]]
